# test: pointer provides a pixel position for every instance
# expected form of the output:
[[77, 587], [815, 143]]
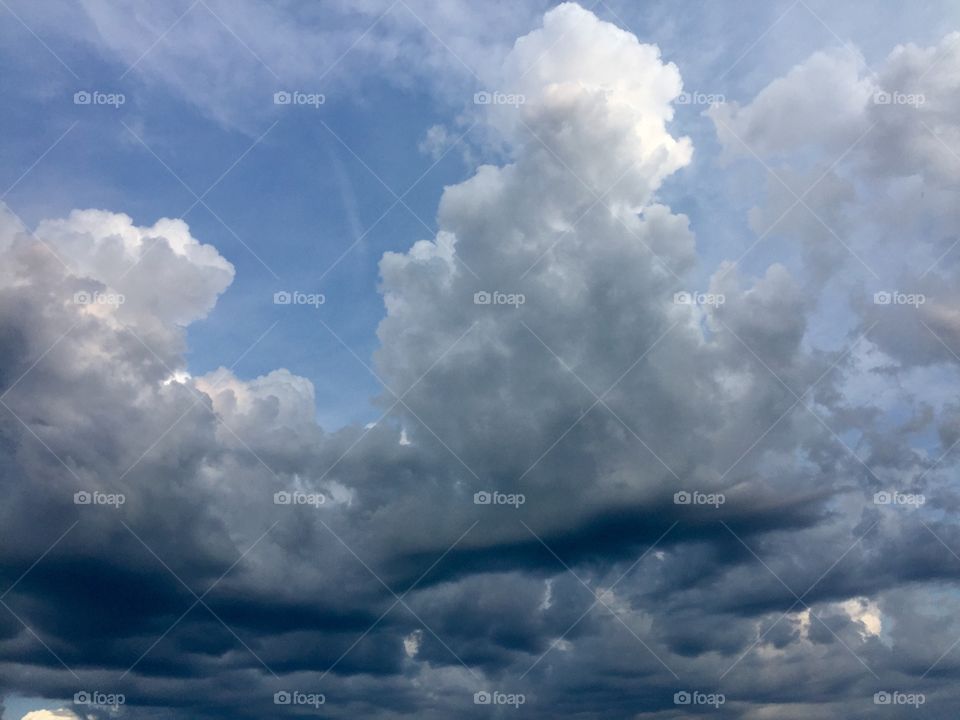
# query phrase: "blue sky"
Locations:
[[299, 198]]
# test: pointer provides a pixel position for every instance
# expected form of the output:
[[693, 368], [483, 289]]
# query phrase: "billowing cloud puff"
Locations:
[[590, 89], [163, 270], [823, 101], [51, 715], [278, 398], [879, 200], [588, 267], [909, 106]]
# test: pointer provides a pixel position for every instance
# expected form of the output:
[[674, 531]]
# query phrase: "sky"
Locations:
[[395, 358]]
